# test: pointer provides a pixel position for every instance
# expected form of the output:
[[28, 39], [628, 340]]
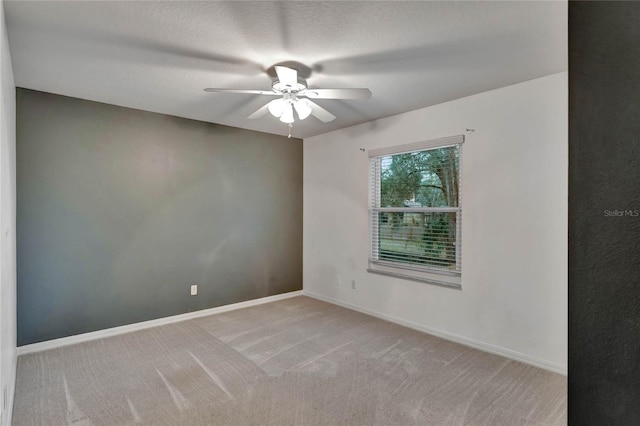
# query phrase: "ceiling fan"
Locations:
[[294, 94]]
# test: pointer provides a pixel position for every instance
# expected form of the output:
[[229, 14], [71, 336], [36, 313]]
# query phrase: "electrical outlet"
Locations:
[[337, 280], [194, 289], [353, 284]]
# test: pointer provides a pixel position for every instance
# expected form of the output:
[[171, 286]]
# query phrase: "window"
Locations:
[[415, 211]]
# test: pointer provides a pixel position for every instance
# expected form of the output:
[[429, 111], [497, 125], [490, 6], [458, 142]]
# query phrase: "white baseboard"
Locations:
[[108, 332], [12, 390], [8, 414], [486, 347]]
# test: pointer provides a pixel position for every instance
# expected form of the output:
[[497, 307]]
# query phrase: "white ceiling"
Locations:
[[158, 56]]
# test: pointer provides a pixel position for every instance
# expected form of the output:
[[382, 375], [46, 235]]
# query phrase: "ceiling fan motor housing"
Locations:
[[279, 87]]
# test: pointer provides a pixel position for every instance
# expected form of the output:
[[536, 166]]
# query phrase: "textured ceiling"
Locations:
[[158, 56]]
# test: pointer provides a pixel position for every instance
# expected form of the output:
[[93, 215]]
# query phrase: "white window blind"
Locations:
[[415, 207]]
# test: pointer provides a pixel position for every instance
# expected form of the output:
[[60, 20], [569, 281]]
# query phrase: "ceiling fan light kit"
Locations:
[[283, 108], [276, 107], [302, 108], [287, 114], [294, 94]]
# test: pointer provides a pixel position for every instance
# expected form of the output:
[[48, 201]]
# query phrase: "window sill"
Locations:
[[443, 280]]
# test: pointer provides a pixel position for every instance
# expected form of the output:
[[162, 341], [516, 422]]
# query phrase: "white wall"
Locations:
[[514, 222], [7, 228]]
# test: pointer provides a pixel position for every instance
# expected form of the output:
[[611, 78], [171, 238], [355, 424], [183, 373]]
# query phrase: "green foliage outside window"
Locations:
[[420, 179]]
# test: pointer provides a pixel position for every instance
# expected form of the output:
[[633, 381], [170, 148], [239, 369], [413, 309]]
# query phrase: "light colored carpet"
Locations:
[[294, 362]]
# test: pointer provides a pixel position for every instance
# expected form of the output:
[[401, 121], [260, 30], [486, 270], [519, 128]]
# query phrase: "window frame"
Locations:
[[415, 272]]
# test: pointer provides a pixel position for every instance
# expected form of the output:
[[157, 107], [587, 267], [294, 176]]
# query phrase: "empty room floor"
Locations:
[[298, 361]]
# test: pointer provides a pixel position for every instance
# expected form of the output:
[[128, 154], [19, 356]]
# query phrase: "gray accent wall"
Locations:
[[120, 211]]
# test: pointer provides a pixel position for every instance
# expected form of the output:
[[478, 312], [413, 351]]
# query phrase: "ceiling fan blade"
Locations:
[[262, 111], [287, 76], [320, 113], [337, 93], [247, 92]]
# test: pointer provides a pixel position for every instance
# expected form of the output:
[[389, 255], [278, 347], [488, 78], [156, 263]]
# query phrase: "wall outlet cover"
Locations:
[[194, 289]]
